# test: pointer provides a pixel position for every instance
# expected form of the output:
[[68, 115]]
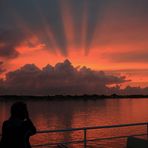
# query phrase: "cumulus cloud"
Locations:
[[63, 78]]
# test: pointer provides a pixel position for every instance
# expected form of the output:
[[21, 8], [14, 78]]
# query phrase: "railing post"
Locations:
[[85, 138], [147, 130]]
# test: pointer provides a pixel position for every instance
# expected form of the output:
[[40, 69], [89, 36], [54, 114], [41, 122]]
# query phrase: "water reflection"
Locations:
[[67, 114]]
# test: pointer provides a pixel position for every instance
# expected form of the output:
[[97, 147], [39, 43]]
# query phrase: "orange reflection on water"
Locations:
[[71, 114]]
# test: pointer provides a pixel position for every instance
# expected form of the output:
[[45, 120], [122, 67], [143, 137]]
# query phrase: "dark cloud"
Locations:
[[62, 78], [9, 40], [129, 90], [37, 16], [2, 69], [131, 56]]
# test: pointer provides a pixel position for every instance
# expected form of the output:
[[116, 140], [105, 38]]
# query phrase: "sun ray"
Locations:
[[68, 24]]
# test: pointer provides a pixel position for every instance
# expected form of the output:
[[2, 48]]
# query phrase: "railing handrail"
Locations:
[[92, 127], [84, 129]]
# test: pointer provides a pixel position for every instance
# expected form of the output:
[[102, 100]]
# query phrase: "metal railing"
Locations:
[[86, 129]]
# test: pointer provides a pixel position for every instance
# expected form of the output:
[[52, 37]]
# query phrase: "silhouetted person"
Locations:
[[18, 128]]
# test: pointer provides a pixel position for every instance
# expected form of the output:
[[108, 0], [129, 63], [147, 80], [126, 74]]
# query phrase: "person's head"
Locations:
[[19, 110]]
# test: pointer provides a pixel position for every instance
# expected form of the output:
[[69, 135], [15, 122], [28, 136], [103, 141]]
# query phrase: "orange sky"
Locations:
[[118, 44]]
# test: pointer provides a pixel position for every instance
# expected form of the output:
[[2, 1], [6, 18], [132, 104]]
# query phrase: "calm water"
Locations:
[[67, 114]]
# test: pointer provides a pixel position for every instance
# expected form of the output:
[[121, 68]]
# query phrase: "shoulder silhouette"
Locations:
[[18, 128]]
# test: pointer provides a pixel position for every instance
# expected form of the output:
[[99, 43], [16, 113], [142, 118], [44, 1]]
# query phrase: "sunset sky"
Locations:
[[103, 35]]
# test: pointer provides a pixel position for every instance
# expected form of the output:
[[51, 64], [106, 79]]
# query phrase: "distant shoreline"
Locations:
[[71, 97]]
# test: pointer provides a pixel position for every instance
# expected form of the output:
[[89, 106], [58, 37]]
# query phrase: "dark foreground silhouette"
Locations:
[[133, 142], [18, 128]]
